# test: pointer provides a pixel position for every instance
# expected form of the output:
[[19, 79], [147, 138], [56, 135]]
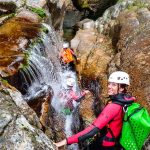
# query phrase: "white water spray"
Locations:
[[45, 71]]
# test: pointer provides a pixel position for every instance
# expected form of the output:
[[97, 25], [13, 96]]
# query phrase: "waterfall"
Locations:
[[63, 77], [59, 103], [44, 67], [44, 71]]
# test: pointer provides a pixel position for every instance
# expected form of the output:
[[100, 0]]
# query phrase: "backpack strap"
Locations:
[[106, 138], [135, 111], [113, 139]]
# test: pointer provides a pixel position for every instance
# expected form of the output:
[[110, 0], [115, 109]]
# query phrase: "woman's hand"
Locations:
[[61, 143], [86, 91]]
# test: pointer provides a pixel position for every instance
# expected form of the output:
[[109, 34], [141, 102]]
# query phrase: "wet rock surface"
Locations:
[[119, 40], [17, 131]]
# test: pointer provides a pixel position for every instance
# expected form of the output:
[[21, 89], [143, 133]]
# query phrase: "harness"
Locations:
[[106, 138]]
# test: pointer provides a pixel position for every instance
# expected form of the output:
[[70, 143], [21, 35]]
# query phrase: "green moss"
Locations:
[[4, 81], [27, 54], [140, 4], [35, 42], [11, 15], [25, 62], [120, 1], [44, 29], [38, 11], [137, 5], [83, 4]]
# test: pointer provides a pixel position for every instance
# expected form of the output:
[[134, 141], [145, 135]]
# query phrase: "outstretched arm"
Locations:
[[61, 143], [81, 136], [79, 98]]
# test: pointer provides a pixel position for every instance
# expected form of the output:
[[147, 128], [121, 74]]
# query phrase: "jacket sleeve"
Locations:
[[106, 115], [78, 98], [83, 135]]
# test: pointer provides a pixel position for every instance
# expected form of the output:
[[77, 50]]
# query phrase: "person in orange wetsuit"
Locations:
[[67, 57], [111, 116]]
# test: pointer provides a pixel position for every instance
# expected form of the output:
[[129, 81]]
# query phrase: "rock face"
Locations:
[[13, 43], [57, 11], [21, 23], [135, 52], [86, 110], [93, 8], [18, 130], [122, 45], [94, 51], [119, 40]]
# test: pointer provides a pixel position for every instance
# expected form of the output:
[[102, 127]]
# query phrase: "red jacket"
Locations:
[[69, 96], [112, 116]]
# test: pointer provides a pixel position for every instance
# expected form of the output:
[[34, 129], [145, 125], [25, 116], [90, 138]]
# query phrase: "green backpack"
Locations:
[[136, 127]]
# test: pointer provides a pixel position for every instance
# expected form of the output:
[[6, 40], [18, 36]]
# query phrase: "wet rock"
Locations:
[[40, 103], [36, 3], [86, 24], [92, 9], [16, 131], [57, 124], [7, 7], [14, 42], [29, 16], [86, 110], [57, 11], [94, 51], [134, 41]]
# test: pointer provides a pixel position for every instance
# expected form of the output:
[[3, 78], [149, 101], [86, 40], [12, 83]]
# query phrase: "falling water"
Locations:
[[58, 103], [45, 71], [44, 67], [68, 131]]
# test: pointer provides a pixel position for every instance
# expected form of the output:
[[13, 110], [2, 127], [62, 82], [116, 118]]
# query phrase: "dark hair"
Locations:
[[124, 86]]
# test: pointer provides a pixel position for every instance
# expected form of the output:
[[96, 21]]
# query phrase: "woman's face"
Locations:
[[114, 88]]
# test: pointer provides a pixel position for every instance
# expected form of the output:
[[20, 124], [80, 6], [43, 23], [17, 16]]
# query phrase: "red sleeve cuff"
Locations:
[[71, 140]]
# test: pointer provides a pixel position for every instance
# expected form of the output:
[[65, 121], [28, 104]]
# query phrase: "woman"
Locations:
[[111, 116]]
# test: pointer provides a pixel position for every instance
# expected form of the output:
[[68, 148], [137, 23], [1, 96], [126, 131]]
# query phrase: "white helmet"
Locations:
[[65, 45], [70, 81], [119, 77]]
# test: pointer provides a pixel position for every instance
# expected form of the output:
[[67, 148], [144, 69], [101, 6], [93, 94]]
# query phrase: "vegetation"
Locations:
[[137, 5], [45, 30], [4, 81], [38, 11], [25, 62]]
